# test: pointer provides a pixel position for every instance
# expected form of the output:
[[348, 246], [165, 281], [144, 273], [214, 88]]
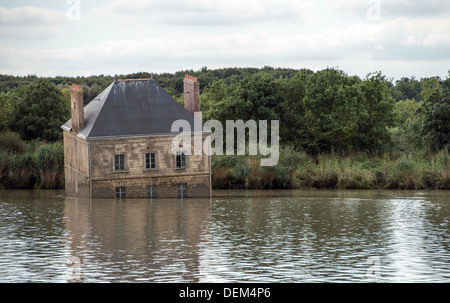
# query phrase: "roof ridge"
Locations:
[[140, 79]]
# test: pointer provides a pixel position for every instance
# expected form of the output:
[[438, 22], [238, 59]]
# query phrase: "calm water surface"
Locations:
[[237, 236]]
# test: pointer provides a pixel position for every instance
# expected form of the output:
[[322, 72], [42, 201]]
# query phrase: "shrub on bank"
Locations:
[[49, 160], [441, 168], [359, 171], [246, 171], [11, 142], [28, 165]]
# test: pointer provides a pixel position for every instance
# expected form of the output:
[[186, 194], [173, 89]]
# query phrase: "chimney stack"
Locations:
[[77, 106], [191, 94]]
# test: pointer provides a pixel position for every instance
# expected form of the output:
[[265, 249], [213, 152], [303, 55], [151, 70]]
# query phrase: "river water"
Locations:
[[236, 236]]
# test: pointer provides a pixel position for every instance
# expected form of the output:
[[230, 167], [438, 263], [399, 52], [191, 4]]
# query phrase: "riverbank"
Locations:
[[41, 166], [359, 171]]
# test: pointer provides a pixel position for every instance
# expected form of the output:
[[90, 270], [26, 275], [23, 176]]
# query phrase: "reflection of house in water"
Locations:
[[136, 240]]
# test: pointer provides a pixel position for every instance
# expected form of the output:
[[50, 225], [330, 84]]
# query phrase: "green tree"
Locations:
[[331, 105], [39, 110], [432, 91], [294, 118], [407, 88], [378, 115], [5, 110], [436, 126], [409, 117], [344, 113], [211, 96], [258, 97]]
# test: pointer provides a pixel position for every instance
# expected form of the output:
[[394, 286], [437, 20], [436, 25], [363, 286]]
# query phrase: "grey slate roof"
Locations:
[[131, 108]]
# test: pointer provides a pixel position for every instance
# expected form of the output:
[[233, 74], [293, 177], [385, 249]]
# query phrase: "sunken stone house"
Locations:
[[120, 144]]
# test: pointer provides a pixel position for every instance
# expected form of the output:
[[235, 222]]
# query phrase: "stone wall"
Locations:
[[76, 165], [135, 178]]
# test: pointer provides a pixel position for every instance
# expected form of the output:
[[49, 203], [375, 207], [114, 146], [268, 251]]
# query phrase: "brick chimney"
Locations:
[[77, 106], [191, 94]]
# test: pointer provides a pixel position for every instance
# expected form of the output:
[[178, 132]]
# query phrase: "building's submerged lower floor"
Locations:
[[194, 186]]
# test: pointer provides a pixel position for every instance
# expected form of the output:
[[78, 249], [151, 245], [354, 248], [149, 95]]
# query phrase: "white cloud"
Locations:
[[30, 22], [205, 12], [30, 16], [392, 8], [412, 40], [401, 39], [162, 36]]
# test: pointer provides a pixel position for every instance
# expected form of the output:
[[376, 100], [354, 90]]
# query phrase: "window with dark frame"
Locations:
[[182, 190], [120, 192], [181, 160], [151, 191], [119, 162], [150, 161]]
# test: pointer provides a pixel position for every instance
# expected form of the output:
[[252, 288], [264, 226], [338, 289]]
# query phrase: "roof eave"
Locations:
[[143, 135]]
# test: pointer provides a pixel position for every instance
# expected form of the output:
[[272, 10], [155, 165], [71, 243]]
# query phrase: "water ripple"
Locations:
[[251, 236]]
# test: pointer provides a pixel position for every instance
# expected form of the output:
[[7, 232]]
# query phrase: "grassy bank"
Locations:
[[298, 170], [32, 164], [36, 164]]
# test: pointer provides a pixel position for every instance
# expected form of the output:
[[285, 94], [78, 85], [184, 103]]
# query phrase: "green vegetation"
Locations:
[[359, 171], [33, 164], [336, 130]]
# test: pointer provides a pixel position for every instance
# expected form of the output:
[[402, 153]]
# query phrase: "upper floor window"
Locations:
[[150, 161], [119, 162], [181, 160]]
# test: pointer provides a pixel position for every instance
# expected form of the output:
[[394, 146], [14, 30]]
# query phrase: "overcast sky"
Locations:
[[80, 37]]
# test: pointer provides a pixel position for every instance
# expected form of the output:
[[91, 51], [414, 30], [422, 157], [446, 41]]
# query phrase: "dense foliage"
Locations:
[[36, 110]]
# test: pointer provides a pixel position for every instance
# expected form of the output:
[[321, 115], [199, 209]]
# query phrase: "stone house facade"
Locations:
[[120, 144]]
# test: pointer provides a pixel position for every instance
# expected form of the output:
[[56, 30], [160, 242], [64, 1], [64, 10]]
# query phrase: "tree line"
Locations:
[[321, 111]]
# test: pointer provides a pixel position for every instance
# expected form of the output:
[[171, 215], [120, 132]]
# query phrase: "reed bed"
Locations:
[[357, 171], [33, 165]]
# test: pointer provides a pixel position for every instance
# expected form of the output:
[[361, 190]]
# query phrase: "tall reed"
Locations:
[[49, 160]]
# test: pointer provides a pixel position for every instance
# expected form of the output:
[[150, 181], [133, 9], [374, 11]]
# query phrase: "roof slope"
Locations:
[[131, 108]]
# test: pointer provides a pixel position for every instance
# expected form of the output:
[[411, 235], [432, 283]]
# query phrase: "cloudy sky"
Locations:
[[80, 37]]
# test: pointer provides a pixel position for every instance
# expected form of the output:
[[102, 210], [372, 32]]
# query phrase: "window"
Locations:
[[181, 160], [119, 162], [182, 190], [120, 192], [150, 161], [151, 191]]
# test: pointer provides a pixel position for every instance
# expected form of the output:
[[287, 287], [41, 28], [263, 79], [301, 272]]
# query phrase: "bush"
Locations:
[[4, 160], [50, 164], [356, 172], [221, 177], [441, 168], [11, 142], [356, 178], [21, 171], [246, 171]]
